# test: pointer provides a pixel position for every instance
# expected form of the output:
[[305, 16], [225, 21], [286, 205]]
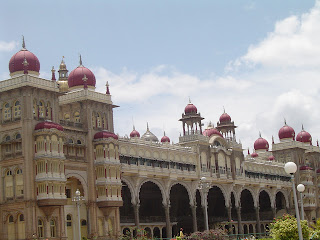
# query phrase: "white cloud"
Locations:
[[8, 46]]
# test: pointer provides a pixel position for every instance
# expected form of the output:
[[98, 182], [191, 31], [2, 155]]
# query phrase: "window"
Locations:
[[9, 184], [69, 220], [83, 223], [77, 117], [19, 183], [10, 219], [67, 117], [41, 109], [94, 123], [6, 112], [21, 227], [40, 229], [11, 228], [99, 121], [52, 228], [79, 142], [17, 110]]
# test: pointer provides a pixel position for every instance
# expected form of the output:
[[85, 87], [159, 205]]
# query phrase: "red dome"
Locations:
[[48, 125], [211, 131], [16, 61], [165, 139], [261, 143], [304, 136], [105, 134], [225, 118], [318, 170], [190, 108], [134, 133], [76, 77], [286, 132], [271, 158], [306, 168], [254, 154]]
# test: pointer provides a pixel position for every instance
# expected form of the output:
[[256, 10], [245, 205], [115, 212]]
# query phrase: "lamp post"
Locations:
[[77, 199], [291, 168], [204, 187], [301, 189]]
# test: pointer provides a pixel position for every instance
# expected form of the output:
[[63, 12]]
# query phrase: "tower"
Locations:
[[191, 120], [63, 77]]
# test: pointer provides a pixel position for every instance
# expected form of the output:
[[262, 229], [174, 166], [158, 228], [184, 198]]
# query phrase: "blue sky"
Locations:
[[253, 57]]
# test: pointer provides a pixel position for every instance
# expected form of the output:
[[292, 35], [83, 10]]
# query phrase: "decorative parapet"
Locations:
[[84, 94], [193, 137], [28, 80], [294, 144]]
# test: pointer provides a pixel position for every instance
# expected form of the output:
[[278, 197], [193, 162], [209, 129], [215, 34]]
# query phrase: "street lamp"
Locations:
[[78, 199], [301, 189], [291, 168], [204, 187]]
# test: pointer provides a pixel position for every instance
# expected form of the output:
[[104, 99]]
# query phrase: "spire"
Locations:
[[302, 127], [23, 43], [148, 126], [134, 128], [164, 133], [53, 78], [25, 66], [107, 86], [259, 134], [224, 110], [272, 140], [85, 79], [248, 151], [317, 143], [285, 121], [189, 100], [80, 61]]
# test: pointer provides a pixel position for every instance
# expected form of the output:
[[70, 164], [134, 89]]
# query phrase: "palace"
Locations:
[[57, 136]]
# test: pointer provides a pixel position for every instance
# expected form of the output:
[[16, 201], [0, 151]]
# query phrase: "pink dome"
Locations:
[[190, 108], [254, 154], [76, 77], [211, 131], [165, 139], [105, 134], [48, 125], [225, 118], [16, 61], [286, 132], [318, 170], [134, 133], [261, 143], [304, 136], [271, 158]]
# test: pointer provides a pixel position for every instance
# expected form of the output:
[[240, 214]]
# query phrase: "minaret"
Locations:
[[63, 77]]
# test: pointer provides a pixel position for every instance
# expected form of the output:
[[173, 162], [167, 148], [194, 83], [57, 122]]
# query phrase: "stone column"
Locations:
[[168, 224], [240, 231], [274, 212], [62, 223], [136, 214], [258, 220], [194, 217], [229, 219]]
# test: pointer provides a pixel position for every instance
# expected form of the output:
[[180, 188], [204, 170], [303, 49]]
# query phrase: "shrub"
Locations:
[[285, 228]]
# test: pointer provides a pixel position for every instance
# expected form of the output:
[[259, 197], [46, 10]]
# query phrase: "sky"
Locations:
[[258, 60]]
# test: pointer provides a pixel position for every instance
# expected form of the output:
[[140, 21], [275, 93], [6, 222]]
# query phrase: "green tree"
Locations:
[[285, 228]]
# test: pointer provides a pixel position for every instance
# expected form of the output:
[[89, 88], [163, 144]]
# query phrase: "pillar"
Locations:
[[168, 224], [136, 214], [274, 212], [62, 223], [240, 230], [194, 217], [229, 219], [258, 220]]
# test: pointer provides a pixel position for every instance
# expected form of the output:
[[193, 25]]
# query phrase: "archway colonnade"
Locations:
[[162, 207]]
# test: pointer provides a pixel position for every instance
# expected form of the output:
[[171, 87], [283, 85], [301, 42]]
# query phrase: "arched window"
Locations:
[[42, 112], [67, 117], [18, 143], [77, 117], [48, 110], [35, 108], [6, 112], [79, 142], [69, 220], [18, 136], [52, 228], [19, 183], [84, 231], [40, 229], [104, 123], [94, 120], [99, 120], [17, 109], [11, 228], [9, 184], [69, 227], [21, 227]]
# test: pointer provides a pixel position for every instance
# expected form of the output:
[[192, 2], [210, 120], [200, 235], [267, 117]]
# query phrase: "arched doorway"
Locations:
[[265, 211], [234, 215], [151, 208], [217, 212], [126, 211], [247, 206], [280, 204], [180, 211]]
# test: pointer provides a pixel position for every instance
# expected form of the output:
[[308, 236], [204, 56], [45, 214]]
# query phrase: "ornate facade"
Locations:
[[57, 136]]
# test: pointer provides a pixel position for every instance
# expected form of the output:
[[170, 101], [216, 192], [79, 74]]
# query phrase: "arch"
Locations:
[[216, 205], [48, 110], [99, 120], [269, 194], [82, 181], [40, 228], [285, 197], [66, 117], [6, 112], [127, 208], [161, 187], [76, 116], [191, 196], [53, 228], [131, 188], [247, 205], [11, 227], [17, 109], [224, 192], [42, 112]]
